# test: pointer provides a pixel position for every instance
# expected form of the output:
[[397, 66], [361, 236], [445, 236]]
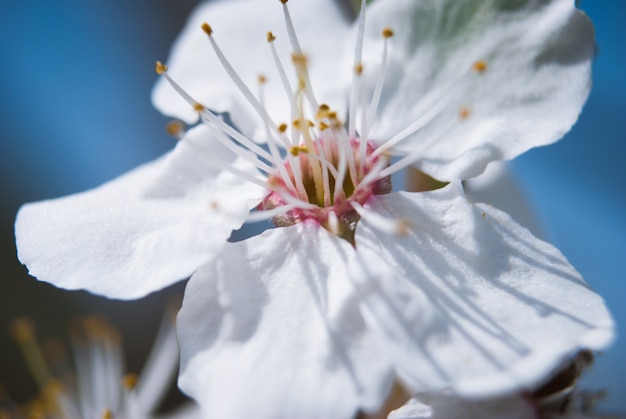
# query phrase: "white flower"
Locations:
[[427, 288], [96, 387]]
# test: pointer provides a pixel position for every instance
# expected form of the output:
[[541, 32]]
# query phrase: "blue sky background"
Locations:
[[75, 112]]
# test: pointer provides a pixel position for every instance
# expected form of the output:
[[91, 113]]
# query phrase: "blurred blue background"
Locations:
[[75, 86]]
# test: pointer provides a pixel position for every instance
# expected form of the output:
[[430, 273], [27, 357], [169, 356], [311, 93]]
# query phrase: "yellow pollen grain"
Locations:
[[310, 123], [332, 115], [296, 150], [174, 128], [298, 59], [160, 68], [262, 79], [323, 126], [107, 414], [480, 66], [358, 69], [387, 33], [198, 107], [282, 128], [464, 112], [283, 1], [270, 37], [207, 28], [129, 381]]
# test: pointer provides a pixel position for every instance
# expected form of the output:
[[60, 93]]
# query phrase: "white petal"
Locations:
[[446, 406], [468, 299], [538, 57], [140, 232], [240, 28], [272, 329]]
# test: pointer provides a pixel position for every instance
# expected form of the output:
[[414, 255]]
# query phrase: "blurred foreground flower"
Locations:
[[360, 287], [96, 386]]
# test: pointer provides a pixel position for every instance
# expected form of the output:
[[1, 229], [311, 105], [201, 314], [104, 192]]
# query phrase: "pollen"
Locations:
[[199, 107], [270, 37], [107, 414], [296, 150], [480, 66], [387, 33], [282, 128], [160, 68], [323, 126], [283, 1], [358, 69], [262, 79], [464, 112], [175, 128], [207, 29], [322, 112], [129, 382]]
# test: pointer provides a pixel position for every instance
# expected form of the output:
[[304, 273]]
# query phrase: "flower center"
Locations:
[[331, 177]]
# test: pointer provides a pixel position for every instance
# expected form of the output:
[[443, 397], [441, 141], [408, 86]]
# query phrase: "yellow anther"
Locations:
[[270, 37], [175, 128], [323, 126], [199, 107], [296, 150], [464, 112], [129, 382], [160, 68], [298, 59], [322, 112], [207, 28], [332, 115], [282, 128], [301, 84], [358, 69], [310, 123], [283, 1], [387, 33], [480, 66], [262, 79], [107, 414]]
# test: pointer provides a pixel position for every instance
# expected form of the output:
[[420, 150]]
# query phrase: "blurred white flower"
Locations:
[[96, 386], [359, 286]]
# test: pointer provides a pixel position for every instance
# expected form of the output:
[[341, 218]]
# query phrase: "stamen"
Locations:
[[378, 89], [381, 223], [175, 129], [274, 149], [464, 112], [480, 66], [235, 77], [213, 120], [358, 70], [283, 75], [23, 332], [295, 45]]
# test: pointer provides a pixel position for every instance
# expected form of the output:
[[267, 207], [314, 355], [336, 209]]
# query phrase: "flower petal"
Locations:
[[490, 79], [272, 329], [446, 406], [140, 232], [240, 28], [469, 299]]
